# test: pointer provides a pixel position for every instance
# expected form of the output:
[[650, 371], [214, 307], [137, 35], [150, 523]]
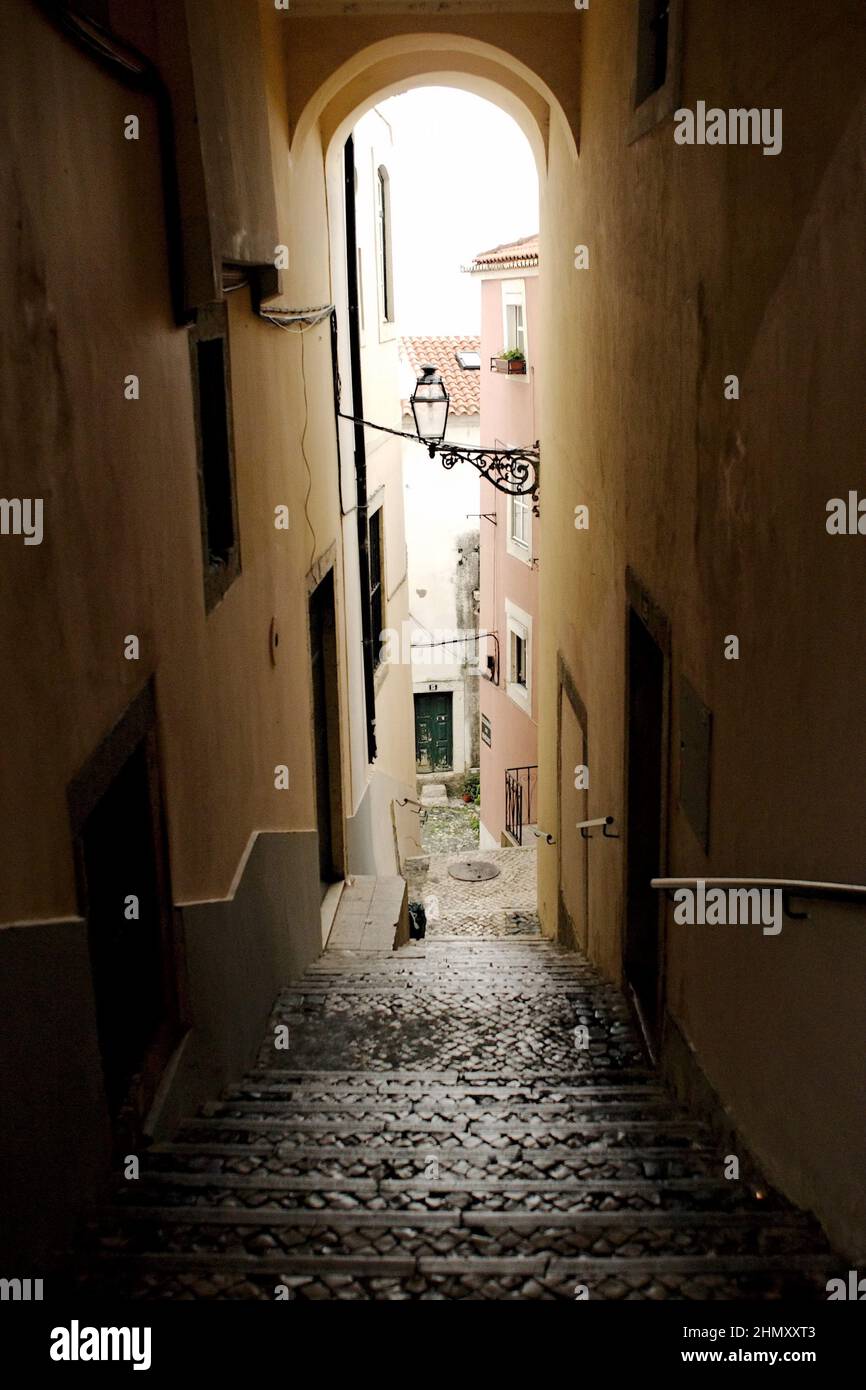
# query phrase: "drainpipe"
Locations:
[[368, 636]]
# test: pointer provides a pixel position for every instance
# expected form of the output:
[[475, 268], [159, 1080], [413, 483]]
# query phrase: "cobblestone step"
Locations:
[[634, 1240], [470, 1109], [388, 1161], [635, 1079], [386, 1276], [434, 1131], [616, 1098], [605, 1193], [460, 1127]]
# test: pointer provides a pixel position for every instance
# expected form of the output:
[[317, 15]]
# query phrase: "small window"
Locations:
[[215, 446], [469, 361], [519, 520], [514, 317], [515, 330], [377, 585], [654, 18], [658, 63], [519, 656], [383, 244], [517, 674]]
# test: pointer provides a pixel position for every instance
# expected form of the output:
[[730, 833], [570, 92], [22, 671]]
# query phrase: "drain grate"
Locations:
[[473, 870]]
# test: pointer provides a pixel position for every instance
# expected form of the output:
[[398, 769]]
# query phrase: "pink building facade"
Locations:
[[509, 556]]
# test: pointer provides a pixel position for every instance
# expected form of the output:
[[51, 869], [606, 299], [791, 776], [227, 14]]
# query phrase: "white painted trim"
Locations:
[[515, 548], [516, 620], [514, 293]]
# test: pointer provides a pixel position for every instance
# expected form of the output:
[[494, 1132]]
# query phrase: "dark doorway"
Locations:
[[326, 732], [646, 715], [434, 732], [134, 940]]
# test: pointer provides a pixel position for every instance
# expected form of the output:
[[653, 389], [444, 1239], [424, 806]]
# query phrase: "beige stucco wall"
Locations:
[[704, 262], [86, 302]]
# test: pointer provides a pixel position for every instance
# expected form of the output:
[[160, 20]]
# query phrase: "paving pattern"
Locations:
[[504, 906], [469, 1117], [449, 829]]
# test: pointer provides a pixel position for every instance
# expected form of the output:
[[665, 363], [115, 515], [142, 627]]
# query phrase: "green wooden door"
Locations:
[[434, 736]]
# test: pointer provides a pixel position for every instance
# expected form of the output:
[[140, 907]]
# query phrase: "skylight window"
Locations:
[[469, 361]]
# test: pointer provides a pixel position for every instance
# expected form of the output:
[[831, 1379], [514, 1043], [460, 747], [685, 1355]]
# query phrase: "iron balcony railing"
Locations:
[[520, 787]]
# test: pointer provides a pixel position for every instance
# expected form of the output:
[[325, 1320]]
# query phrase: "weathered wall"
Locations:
[[85, 301], [122, 546], [703, 262]]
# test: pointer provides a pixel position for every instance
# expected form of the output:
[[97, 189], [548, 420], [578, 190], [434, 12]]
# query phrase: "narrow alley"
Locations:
[[439, 1127], [432, 524]]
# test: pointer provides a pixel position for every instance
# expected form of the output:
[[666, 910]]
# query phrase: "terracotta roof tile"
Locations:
[[521, 254], [463, 385]]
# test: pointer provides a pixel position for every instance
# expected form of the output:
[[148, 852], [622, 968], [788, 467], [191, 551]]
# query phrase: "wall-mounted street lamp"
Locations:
[[512, 471], [429, 404]]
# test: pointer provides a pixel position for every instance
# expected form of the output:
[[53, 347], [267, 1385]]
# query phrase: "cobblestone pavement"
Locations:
[[449, 829], [437, 1129], [504, 906]]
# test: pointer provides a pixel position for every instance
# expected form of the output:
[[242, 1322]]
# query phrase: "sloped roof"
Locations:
[[522, 255], [463, 385]]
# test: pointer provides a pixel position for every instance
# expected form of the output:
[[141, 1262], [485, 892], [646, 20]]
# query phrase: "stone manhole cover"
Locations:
[[473, 870]]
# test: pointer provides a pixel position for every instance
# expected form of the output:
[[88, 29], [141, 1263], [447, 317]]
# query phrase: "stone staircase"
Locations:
[[434, 1131]]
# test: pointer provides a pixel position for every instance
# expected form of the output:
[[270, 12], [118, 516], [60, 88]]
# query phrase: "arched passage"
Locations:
[[397, 64]]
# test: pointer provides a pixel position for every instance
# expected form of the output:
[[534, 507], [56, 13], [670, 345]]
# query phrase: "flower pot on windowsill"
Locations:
[[510, 366]]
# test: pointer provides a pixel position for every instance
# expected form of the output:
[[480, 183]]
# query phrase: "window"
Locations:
[[469, 361], [519, 528], [517, 674], [214, 442], [518, 538], [377, 586], [652, 47], [519, 656], [383, 245], [514, 316], [658, 57]]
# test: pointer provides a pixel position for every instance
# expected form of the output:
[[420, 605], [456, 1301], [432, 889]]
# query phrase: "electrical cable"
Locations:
[[304, 453]]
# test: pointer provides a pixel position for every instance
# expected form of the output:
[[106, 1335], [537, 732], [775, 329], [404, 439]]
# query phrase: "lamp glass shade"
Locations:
[[430, 405]]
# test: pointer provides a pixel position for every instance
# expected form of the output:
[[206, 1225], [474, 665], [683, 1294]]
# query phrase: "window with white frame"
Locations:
[[520, 522], [514, 316], [518, 682]]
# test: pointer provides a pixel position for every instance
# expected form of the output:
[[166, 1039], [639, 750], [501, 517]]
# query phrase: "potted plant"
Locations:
[[511, 361], [471, 788]]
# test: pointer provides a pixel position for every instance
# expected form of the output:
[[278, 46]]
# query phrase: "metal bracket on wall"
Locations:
[[585, 827], [543, 835]]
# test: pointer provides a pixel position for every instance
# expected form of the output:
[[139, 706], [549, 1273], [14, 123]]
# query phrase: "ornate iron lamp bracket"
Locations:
[[512, 471]]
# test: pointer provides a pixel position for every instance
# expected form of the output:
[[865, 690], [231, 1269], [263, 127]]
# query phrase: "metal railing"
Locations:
[[520, 784]]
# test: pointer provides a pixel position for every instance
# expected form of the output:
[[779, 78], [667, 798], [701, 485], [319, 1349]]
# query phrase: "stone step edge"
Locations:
[[484, 1129], [472, 1077], [557, 1187], [555, 1110], [401, 1153], [455, 1220], [400, 1265]]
